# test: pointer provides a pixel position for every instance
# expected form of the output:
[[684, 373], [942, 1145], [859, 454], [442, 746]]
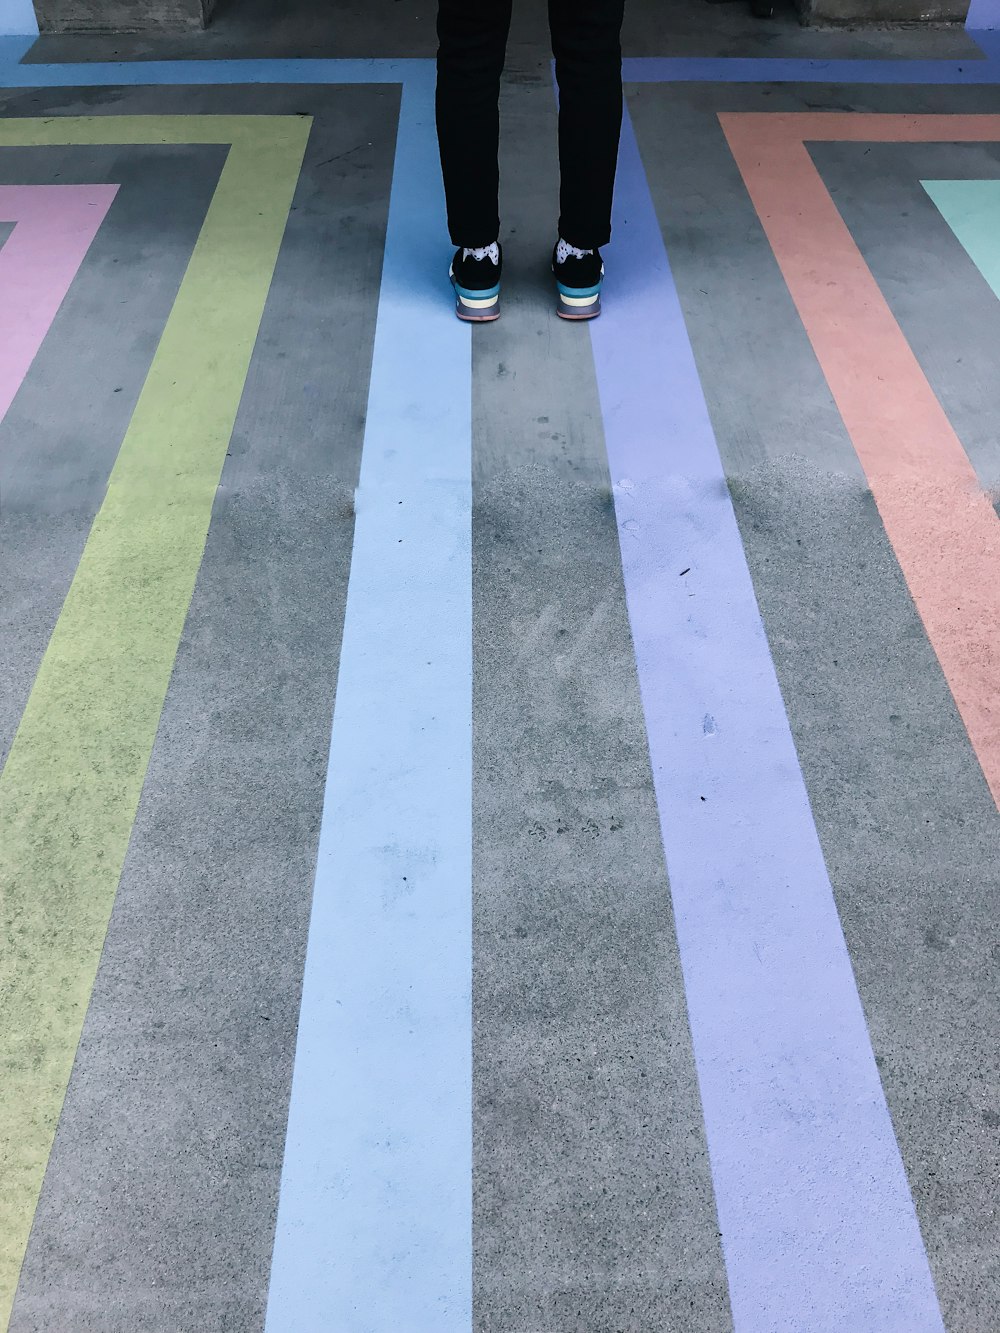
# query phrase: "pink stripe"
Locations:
[[942, 526], [55, 225]]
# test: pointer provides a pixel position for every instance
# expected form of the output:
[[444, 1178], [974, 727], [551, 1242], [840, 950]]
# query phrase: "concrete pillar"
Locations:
[[122, 15], [883, 11]]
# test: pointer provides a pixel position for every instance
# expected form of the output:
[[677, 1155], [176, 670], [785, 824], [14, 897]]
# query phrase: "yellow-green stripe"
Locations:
[[72, 781]]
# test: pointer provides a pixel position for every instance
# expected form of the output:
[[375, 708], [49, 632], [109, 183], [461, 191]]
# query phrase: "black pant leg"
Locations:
[[586, 42], [472, 37]]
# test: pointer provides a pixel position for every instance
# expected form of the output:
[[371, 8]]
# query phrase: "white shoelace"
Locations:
[[564, 250], [490, 252]]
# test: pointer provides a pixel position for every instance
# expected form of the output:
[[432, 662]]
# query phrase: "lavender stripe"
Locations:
[[819, 1230]]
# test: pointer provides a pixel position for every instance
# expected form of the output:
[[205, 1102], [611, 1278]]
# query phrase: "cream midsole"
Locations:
[[577, 300]]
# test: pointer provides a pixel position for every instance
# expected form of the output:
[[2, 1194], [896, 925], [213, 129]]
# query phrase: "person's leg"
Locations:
[[586, 42], [472, 37]]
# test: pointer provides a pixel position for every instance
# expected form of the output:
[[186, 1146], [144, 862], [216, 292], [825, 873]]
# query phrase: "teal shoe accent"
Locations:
[[477, 295]]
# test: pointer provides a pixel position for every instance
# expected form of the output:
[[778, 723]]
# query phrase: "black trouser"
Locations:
[[586, 42]]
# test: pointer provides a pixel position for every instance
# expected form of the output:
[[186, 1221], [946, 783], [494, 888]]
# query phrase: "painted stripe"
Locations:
[[983, 16], [375, 1216], [71, 784], [638, 69], [972, 210], [17, 19], [55, 225], [12, 50], [943, 528], [818, 1227], [195, 73], [749, 69]]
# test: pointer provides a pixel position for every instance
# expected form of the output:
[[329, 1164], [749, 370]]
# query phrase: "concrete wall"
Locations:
[[122, 15], [882, 11]]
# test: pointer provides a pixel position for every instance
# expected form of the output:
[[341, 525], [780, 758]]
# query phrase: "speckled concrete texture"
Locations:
[[593, 1201], [593, 1196]]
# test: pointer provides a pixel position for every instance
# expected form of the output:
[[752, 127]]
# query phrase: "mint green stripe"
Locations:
[[972, 210], [72, 781]]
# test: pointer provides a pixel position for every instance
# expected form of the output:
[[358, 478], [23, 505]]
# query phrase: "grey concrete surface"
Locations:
[[884, 11], [593, 1196], [104, 16], [909, 830], [593, 1201], [159, 1203]]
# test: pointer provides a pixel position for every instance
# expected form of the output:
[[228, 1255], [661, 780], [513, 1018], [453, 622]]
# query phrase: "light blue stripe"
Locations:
[[683, 69], [642, 69], [12, 48], [818, 1228], [17, 18], [972, 210], [983, 16], [374, 1229], [200, 72]]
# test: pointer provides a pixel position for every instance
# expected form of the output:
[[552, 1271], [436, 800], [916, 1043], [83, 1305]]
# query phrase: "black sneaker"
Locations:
[[578, 285], [477, 285]]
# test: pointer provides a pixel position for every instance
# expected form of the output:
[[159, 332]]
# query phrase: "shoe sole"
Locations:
[[473, 310], [475, 316], [576, 313], [586, 306]]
